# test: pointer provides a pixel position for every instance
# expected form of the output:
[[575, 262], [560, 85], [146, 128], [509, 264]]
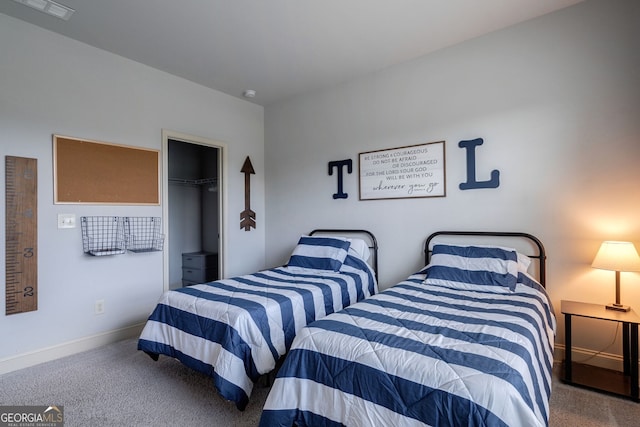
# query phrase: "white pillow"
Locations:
[[523, 262], [359, 248]]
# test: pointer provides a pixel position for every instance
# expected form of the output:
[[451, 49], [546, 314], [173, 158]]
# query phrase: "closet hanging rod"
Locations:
[[203, 181]]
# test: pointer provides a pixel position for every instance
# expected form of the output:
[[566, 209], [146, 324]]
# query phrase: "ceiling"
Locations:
[[279, 48]]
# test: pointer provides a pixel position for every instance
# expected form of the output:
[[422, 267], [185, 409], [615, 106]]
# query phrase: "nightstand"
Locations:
[[624, 384]]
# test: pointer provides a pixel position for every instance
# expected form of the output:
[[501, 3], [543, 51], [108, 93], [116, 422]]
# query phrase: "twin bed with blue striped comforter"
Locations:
[[468, 341], [236, 330]]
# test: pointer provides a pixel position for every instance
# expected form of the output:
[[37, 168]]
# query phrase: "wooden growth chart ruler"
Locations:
[[21, 234]]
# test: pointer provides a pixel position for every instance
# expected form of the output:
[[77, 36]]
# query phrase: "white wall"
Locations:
[[50, 84], [557, 101]]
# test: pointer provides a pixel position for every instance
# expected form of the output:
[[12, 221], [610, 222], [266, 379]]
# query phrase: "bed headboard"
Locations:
[[506, 238], [366, 235]]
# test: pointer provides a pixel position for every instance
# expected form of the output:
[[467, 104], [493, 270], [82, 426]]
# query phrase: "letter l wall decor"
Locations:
[[470, 146]]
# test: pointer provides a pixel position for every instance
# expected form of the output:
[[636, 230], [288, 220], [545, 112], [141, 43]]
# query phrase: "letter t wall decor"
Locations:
[[339, 164]]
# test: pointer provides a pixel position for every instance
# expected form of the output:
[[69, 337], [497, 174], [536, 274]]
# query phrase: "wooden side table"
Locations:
[[625, 383]]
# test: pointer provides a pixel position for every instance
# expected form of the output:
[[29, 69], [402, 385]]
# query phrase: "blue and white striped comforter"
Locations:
[[416, 355], [235, 330]]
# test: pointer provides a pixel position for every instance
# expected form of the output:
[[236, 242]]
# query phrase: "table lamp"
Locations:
[[617, 256]]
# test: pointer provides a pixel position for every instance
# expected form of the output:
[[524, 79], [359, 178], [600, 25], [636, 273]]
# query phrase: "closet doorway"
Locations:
[[193, 209]]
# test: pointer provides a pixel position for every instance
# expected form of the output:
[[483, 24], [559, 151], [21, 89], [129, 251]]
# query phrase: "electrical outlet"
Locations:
[[99, 307]]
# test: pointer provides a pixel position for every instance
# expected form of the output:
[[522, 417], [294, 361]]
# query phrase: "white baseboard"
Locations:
[[36, 357], [590, 357]]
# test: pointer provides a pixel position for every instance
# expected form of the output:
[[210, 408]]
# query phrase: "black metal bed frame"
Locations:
[[540, 256]]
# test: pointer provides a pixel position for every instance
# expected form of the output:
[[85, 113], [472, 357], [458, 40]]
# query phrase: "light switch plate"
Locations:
[[66, 220]]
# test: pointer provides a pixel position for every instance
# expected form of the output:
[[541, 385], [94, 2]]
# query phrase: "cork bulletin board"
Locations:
[[92, 172]]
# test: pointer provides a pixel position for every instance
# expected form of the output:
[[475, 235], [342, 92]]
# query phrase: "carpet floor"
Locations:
[[117, 385]]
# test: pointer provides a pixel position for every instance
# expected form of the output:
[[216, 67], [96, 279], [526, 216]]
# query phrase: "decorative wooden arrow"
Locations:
[[247, 216]]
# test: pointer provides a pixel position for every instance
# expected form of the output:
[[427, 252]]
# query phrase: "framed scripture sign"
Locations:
[[405, 172]]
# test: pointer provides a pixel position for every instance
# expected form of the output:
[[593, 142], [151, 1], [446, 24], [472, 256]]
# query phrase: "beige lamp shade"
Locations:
[[617, 256]]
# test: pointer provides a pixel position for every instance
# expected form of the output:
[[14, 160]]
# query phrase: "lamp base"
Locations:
[[618, 307]]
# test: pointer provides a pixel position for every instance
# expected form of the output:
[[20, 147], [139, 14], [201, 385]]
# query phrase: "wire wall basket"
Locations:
[[143, 234], [102, 235], [112, 235]]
